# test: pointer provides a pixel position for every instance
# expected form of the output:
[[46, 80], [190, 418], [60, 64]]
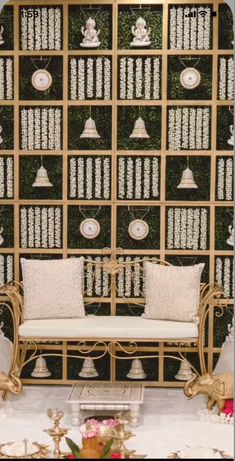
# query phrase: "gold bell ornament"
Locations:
[[88, 369], [42, 179], [187, 181], [136, 371], [41, 370], [90, 130], [139, 130], [184, 373]]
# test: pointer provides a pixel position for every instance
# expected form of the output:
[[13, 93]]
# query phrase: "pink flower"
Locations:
[[116, 456], [71, 457], [228, 407]]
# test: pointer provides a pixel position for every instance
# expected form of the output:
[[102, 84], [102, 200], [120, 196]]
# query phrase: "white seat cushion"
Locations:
[[108, 327]]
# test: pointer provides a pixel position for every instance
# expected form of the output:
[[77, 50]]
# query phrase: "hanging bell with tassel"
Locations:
[[90, 130], [40, 370], [42, 179], [139, 130], [88, 369], [185, 372], [187, 181], [136, 371]]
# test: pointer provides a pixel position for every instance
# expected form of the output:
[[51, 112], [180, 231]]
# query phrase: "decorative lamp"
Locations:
[[139, 130], [90, 130], [187, 181], [42, 179], [136, 371], [40, 370], [184, 372], [88, 369]]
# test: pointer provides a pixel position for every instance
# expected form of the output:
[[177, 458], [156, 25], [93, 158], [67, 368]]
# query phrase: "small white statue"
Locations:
[[230, 240], [90, 35], [1, 139], [141, 34], [231, 139], [1, 237], [2, 41]]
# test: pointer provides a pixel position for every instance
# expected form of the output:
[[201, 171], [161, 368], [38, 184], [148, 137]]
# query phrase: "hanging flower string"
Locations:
[[189, 28], [41, 128], [42, 30], [90, 78], [6, 177], [226, 78], [40, 227], [138, 179], [225, 178], [139, 78], [81, 173], [187, 228], [188, 128], [6, 78]]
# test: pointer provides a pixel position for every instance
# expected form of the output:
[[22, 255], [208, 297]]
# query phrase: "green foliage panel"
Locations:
[[225, 27], [127, 17], [78, 15], [184, 260], [7, 223], [203, 64], [7, 123], [127, 116], [200, 167], [224, 123], [77, 117], [53, 165], [77, 214], [28, 65], [127, 214], [223, 219], [6, 20]]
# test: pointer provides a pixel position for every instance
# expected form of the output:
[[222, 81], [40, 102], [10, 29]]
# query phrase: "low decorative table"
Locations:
[[106, 397]]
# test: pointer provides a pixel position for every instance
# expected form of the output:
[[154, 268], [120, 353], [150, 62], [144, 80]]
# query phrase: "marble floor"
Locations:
[[169, 422]]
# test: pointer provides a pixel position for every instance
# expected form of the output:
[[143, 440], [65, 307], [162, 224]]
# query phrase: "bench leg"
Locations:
[[134, 414], [76, 415]]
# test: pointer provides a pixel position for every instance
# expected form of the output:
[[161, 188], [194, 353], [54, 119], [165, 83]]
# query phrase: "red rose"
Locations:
[[116, 456], [71, 457]]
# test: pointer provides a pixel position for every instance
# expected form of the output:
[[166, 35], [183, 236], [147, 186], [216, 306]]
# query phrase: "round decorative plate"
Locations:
[[90, 228], [41, 79], [138, 229], [190, 78]]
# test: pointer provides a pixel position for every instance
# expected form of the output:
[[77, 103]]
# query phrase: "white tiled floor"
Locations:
[[169, 421]]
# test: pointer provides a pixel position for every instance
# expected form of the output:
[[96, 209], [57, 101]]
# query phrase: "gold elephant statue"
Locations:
[[218, 387], [10, 383]]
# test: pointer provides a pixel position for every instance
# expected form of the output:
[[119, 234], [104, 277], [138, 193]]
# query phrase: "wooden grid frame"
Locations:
[[115, 153]]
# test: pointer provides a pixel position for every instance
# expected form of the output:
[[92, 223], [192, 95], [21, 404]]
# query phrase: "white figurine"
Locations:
[[1, 139], [231, 139], [230, 240], [90, 35], [1, 237], [141, 34], [2, 41]]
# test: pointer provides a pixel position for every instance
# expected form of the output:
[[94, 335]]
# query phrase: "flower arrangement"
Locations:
[[226, 77], [225, 178], [139, 78], [41, 128], [6, 78], [189, 128], [90, 177], [41, 227], [189, 29], [187, 228], [224, 275], [90, 78], [6, 268], [41, 30], [102, 280], [138, 178], [6, 177]]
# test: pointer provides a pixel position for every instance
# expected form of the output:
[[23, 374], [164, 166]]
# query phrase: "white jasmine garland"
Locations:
[[89, 277], [24, 129], [170, 229], [130, 78], [200, 29], [120, 280], [72, 178], [58, 227], [138, 77], [156, 78], [80, 177], [10, 274], [51, 129], [58, 29], [227, 278], [30, 129], [38, 30], [196, 227], [128, 278], [90, 78], [146, 178], [89, 178], [178, 127], [106, 178], [171, 129], [186, 45], [24, 29], [30, 32], [9, 78], [81, 79], [177, 228], [121, 178], [199, 128], [44, 29], [44, 227], [73, 79], [57, 129], [192, 128], [97, 277], [206, 128], [155, 177], [2, 274], [189, 232], [31, 227], [173, 28], [147, 79], [51, 227], [229, 179], [136, 279], [138, 174], [203, 233], [99, 78], [122, 78], [98, 178], [207, 28], [2, 181], [51, 28], [193, 28], [105, 280], [222, 78], [230, 79], [183, 225], [44, 128], [23, 228], [37, 123], [37, 237], [218, 271], [107, 79], [130, 176], [220, 180], [2, 79], [179, 30], [185, 132], [10, 175]]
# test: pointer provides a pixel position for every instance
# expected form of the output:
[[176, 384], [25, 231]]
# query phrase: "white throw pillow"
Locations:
[[172, 292], [53, 289]]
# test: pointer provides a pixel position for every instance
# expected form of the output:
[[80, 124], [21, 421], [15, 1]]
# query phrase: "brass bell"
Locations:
[[184, 373], [90, 130], [88, 369], [42, 179], [139, 130], [187, 181], [40, 370], [136, 371]]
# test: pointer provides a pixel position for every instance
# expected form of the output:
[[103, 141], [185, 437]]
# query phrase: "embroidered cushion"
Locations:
[[172, 292], [53, 289]]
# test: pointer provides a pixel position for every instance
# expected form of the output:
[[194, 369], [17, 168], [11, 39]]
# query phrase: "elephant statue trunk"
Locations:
[[188, 388], [10, 383]]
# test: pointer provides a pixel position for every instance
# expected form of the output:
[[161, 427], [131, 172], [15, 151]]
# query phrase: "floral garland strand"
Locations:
[[199, 123], [107, 79], [229, 179], [105, 280], [177, 228], [81, 78], [30, 129], [38, 30], [206, 128], [44, 29], [51, 28], [98, 178], [99, 78], [23, 228], [2, 272], [57, 129], [10, 176], [218, 271], [128, 278], [138, 177], [183, 228], [200, 28], [2, 178], [222, 78], [227, 278], [97, 277], [156, 78], [90, 78], [73, 79], [146, 178], [10, 272], [6, 78], [130, 78], [58, 241], [120, 280], [121, 178], [44, 227], [207, 28], [189, 232], [155, 177], [138, 77], [44, 125], [51, 129], [88, 279], [58, 30], [72, 178], [171, 129], [147, 79], [196, 227], [122, 78], [2, 79], [37, 123], [51, 227], [89, 178], [30, 34], [193, 28], [31, 227], [186, 39], [129, 193], [37, 237], [220, 180], [106, 178], [136, 279], [80, 178], [203, 229], [24, 30], [192, 128], [178, 128], [179, 30], [230, 79], [185, 128], [173, 15]]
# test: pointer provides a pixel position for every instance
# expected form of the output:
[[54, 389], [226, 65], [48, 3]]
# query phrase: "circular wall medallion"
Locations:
[[90, 228], [190, 78], [41, 79], [138, 229]]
